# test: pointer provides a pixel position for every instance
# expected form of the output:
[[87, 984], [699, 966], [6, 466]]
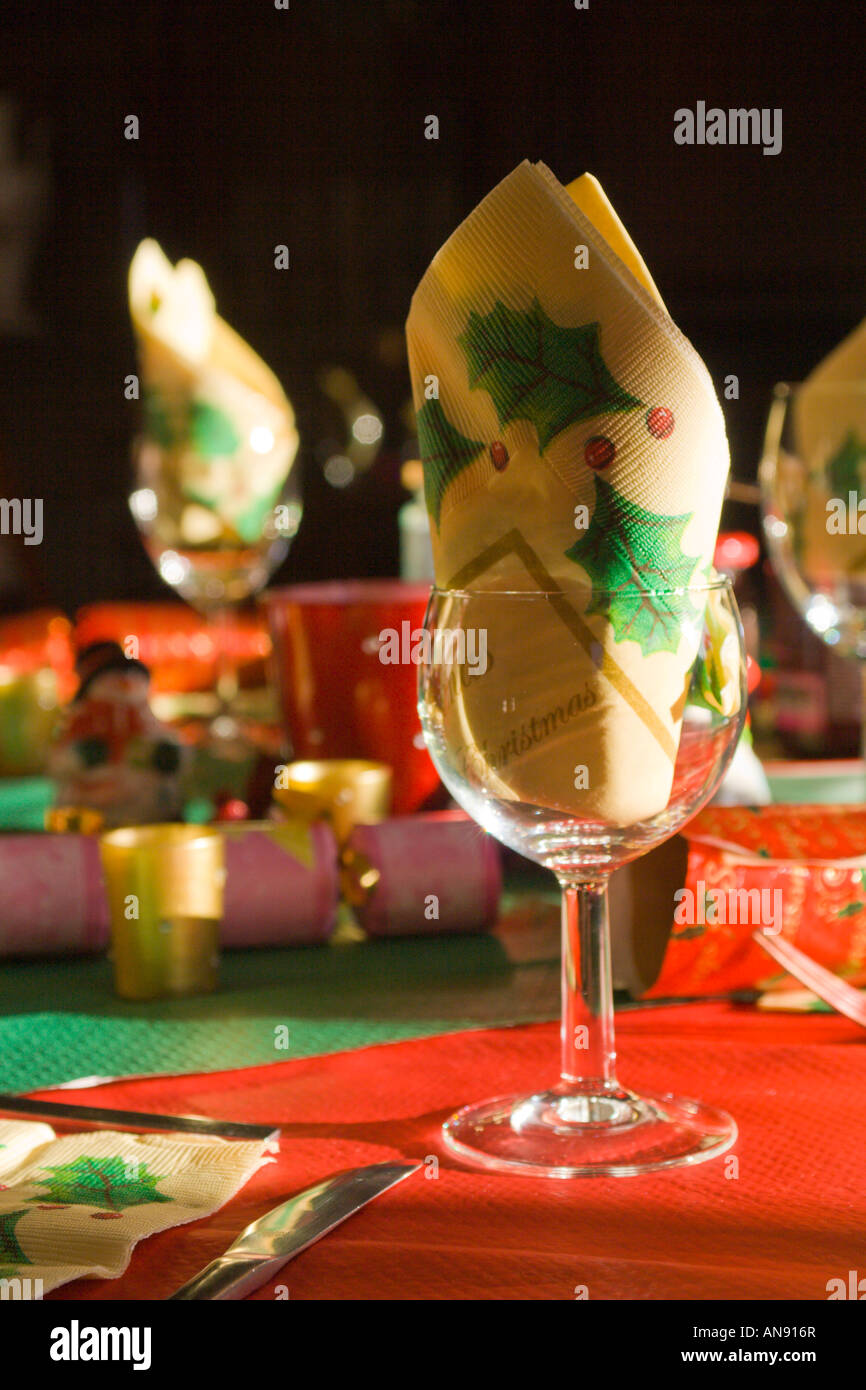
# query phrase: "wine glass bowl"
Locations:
[[582, 751], [556, 828], [216, 543], [215, 529], [812, 475]]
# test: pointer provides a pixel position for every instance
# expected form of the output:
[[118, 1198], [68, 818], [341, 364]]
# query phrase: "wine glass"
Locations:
[[812, 478], [216, 527], [540, 725]]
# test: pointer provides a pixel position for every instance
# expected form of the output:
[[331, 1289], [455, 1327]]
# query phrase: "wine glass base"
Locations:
[[552, 1135]]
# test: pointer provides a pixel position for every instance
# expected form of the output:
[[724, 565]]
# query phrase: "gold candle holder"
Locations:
[[345, 791], [29, 711], [165, 895]]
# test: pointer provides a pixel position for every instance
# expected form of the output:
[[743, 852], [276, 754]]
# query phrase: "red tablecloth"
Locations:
[[794, 1218]]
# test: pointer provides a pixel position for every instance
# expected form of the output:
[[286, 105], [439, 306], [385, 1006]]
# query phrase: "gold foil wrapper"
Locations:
[[358, 877], [343, 791], [74, 820]]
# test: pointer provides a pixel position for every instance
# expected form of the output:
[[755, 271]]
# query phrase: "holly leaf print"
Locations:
[[212, 433], [209, 429], [445, 452], [156, 419], [843, 470], [10, 1250], [534, 370], [626, 550], [100, 1182], [250, 523]]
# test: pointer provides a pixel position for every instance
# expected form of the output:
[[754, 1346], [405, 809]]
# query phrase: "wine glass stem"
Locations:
[[226, 673], [862, 664], [588, 1047]]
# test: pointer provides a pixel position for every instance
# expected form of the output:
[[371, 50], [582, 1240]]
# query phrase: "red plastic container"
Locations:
[[338, 699]]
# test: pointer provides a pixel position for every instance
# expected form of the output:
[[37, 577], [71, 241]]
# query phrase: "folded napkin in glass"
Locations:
[[573, 445], [216, 417], [822, 462]]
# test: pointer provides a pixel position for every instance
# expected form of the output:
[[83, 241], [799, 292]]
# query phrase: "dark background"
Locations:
[[261, 126]]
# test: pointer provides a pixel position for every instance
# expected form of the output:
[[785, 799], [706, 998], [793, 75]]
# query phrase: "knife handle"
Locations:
[[232, 1276]]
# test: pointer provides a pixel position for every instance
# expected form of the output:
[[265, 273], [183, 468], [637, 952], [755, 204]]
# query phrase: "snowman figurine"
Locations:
[[112, 756]]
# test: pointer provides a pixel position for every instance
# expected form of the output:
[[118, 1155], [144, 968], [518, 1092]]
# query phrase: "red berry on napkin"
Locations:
[[660, 422], [599, 451], [498, 455]]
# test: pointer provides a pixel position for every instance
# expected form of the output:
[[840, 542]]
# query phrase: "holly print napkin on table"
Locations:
[[74, 1207], [572, 444]]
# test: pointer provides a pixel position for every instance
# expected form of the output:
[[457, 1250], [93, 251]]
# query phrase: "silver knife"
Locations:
[[269, 1243], [134, 1119]]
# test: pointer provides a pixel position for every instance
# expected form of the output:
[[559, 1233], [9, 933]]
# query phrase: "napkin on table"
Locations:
[[74, 1207], [572, 441]]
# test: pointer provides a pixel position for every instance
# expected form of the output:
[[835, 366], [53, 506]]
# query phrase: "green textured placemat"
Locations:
[[60, 1019], [24, 801]]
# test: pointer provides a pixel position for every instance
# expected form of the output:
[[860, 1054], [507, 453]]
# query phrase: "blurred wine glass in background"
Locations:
[[812, 478], [216, 526]]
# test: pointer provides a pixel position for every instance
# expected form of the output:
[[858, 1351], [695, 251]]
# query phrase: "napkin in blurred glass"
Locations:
[[841, 371], [829, 457], [74, 1207], [572, 441], [211, 405]]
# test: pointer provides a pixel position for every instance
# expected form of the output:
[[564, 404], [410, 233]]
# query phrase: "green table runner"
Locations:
[[60, 1019]]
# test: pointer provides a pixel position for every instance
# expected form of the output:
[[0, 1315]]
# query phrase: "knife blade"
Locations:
[[274, 1239], [134, 1119]]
